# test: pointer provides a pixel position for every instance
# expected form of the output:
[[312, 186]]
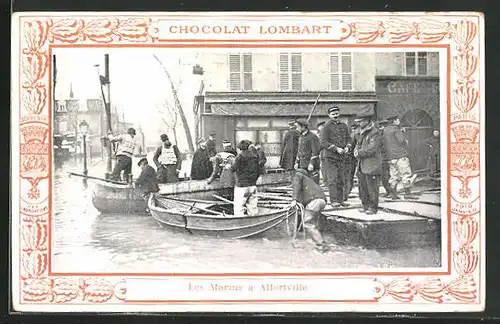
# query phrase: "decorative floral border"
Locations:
[[37, 35]]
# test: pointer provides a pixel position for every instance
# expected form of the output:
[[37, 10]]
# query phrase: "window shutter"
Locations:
[[410, 63], [247, 72], [234, 72], [284, 78], [296, 72], [422, 63], [346, 71], [334, 71]]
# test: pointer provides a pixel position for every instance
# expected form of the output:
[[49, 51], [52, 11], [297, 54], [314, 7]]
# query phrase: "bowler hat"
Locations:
[[131, 131], [164, 137], [142, 160]]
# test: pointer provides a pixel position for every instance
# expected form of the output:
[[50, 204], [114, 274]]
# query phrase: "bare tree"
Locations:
[[178, 106], [173, 117]]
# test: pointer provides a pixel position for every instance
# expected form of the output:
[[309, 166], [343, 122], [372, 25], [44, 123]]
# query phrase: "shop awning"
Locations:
[[283, 109]]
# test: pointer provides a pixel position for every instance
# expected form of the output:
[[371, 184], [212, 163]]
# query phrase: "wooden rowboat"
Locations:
[[213, 221], [117, 198]]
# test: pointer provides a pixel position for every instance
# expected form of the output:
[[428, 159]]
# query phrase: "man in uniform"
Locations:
[[399, 164], [211, 145], [290, 147], [370, 163], [168, 161], [308, 152], [335, 139], [147, 182], [385, 162], [126, 146]]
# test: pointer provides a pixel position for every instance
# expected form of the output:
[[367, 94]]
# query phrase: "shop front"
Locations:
[[264, 117]]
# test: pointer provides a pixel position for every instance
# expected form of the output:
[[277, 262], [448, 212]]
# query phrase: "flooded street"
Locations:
[[86, 241]]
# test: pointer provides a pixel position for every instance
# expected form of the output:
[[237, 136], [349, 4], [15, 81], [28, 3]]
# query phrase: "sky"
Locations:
[[138, 83]]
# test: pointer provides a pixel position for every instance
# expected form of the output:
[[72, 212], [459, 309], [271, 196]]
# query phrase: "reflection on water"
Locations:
[[85, 241]]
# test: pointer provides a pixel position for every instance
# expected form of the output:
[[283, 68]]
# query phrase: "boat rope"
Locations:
[[297, 212]]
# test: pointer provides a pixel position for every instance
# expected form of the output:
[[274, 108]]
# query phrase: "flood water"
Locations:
[[86, 241]]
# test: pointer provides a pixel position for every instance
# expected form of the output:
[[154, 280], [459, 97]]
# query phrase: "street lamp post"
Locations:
[[84, 127]]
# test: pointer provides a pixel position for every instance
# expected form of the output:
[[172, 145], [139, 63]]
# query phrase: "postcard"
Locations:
[[248, 162]]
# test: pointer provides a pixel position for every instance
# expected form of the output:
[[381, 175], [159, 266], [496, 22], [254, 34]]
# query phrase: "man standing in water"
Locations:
[[124, 154], [307, 192], [335, 139], [168, 161]]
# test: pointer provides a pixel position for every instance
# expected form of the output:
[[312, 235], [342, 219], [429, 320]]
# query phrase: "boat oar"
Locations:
[[199, 208], [189, 199], [95, 178], [223, 199]]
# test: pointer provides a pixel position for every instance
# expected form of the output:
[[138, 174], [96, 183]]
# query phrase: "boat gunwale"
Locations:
[[163, 210]]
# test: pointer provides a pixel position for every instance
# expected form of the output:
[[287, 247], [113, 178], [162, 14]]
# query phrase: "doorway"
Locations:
[[419, 126]]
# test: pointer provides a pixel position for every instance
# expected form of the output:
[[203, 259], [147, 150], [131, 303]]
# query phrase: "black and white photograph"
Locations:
[[172, 160]]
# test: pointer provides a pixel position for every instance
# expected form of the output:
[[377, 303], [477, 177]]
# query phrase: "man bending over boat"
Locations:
[[222, 162], [147, 182], [307, 192], [246, 167], [123, 154], [168, 161]]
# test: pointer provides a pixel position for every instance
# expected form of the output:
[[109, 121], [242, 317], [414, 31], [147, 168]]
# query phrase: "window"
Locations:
[[290, 65], [416, 63], [61, 106], [341, 71], [240, 72]]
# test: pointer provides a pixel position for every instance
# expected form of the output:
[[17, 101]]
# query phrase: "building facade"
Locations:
[[253, 95]]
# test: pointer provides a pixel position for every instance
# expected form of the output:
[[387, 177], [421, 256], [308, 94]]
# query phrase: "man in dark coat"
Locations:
[[290, 147], [261, 155], [201, 168], [395, 145], [434, 153], [168, 161], [246, 167], [351, 162], [320, 126], [385, 162], [335, 139], [211, 145], [147, 182], [370, 163], [307, 192], [308, 152]]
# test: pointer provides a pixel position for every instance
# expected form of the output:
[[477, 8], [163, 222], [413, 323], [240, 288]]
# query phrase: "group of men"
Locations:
[[373, 151]]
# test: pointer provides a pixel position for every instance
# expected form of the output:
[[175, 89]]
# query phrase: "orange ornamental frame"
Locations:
[[460, 34]]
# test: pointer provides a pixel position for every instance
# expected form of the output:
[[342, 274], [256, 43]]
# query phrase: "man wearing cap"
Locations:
[[290, 147], [168, 161], [308, 152], [147, 182], [385, 162], [126, 146], [211, 146], [336, 141], [246, 167], [307, 192], [320, 126], [370, 162], [222, 162], [201, 167], [399, 164]]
